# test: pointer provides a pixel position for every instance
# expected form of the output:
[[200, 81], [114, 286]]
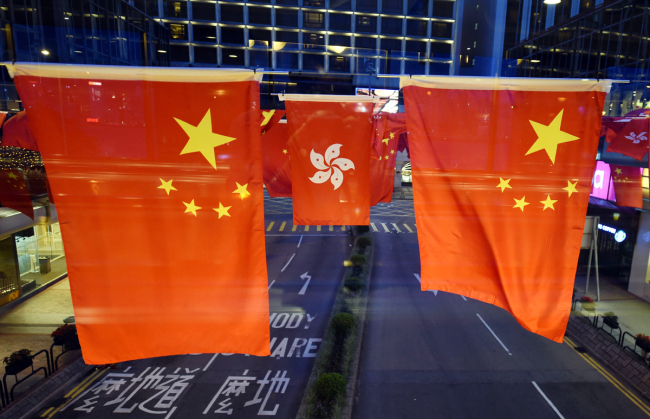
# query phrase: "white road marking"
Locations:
[[126, 369], [435, 292], [408, 228], [493, 334], [271, 284], [313, 235], [210, 362], [547, 400], [464, 297], [171, 412], [300, 241], [304, 287], [285, 266], [374, 227], [385, 228], [396, 228]]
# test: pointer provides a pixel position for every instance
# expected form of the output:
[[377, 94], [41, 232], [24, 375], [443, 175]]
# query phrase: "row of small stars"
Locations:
[[192, 208], [548, 203]]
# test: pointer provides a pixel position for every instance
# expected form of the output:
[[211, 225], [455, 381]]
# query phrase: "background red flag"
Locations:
[[632, 140], [388, 127], [16, 132], [627, 186], [270, 118], [163, 223], [501, 181], [14, 193], [329, 145], [275, 152]]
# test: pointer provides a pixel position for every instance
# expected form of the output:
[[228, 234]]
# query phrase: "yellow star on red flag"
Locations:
[[202, 139], [571, 187], [504, 184], [190, 207], [550, 136], [548, 203], [222, 210], [521, 203], [167, 186], [242, 190]]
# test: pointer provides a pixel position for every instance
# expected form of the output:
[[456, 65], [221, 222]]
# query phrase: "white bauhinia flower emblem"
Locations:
[[330, 169], [636, 139]]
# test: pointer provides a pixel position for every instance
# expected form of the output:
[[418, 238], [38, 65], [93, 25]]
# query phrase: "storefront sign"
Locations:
[[619, 235], [602, 186]]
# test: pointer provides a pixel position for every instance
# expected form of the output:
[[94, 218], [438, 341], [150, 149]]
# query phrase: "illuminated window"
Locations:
[[178, 31], [175, 9], [366, 24], [314, 20]]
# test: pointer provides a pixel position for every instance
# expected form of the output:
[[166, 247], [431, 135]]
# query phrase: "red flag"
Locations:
[[16, 132], [14, 193], [275, 152], [632, 140], [388, 127], [501, 178], [627, 186], [161, 205], [329, 145], [270, 118]]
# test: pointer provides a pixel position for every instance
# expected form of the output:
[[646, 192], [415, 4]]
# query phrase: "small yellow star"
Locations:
[[267, 116], [392, 135], [618, 171], [548, 203], [571, 187], [550, 136], [503, 184], [392, 152], [167, 186], [12, 175], [521, 203], [222, 210], [241, 190], [191, 207], [379, 157], [202, 139], [386, 157], [284, 151]]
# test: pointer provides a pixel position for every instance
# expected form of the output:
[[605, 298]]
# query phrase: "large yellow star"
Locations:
[[571, 187], [521, 203], [222, 210], [385, 140], [548, 137], [167, 186], [12, 175], [191, 207], [241, 190], [267, 116], [503, 184], [548, 203], [202, 139], [618, 171]]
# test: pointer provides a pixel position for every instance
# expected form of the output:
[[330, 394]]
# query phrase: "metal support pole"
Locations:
[[595, 239], [591, 252]]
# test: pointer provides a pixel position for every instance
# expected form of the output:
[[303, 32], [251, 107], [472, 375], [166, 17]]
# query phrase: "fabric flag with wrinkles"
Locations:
[[632, 140], [388, 127], [157, 175], [14, 192], [502, 171], [329, 146], [16, 132], [627, 186], [275, 154]]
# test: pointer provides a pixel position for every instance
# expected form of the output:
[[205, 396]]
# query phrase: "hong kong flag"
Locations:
[[157, 175], [329, 147], [632, 140], [627, 186], [388, 127], [501, 177]]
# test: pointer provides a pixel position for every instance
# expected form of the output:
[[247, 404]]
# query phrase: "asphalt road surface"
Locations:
[[440, 355]]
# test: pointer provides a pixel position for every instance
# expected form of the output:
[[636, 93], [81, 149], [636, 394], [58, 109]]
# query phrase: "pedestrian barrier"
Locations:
[[3, 403], [611, 332], [9, 395]]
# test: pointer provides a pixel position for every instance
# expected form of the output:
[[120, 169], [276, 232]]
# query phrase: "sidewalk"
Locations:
[[29, 326]]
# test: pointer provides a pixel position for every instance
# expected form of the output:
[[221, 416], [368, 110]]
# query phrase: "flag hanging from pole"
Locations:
[[275, 152], [632, 140], [388, 127], [158, 179], [16, 132], [627, 186], [501, 177], [329, 146]]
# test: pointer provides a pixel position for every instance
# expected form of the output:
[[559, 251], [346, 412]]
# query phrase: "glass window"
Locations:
[[175, 8], [339, 64], [418, 7], [392, 6], [366, 24], [286, 61], [443, 8], [232, 13], [339, 40], [416, 27], [204, 33], [205, 55], [260, 58], [419, 47], [340, 22], [439, 68], [313, 3], [313, 39], [231, 56], [179, 53], [287, 2], [414, 67], [440, 50], [365, 42], [261, 35], [286, 36], [313, 20], [393, 46], [178, 31], [367, 5], [286, 17], [391, 26], [390, 66], [232, 35], [203, 11], [441, 29], [259, 15], [341, 4], [313, 62]]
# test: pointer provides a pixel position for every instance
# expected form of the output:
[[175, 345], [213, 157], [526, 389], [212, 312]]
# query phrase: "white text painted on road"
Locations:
[[289, 320], [304, 287], [300, 348], [493, 334]]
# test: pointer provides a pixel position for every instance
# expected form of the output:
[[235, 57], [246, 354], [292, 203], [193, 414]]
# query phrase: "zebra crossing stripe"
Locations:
[[374, 227], [270, 226], [331, 228], [284, 223], [294, 228], [386, 230], [306, 228], [396, 228], [408, 228], [317, 228], [342, 228]]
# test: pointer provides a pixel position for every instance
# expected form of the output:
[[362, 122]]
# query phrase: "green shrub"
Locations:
[[354, 284], [363, 229], [609, 314], [329, 386], [362, 243], [358, 260], [343, 324]]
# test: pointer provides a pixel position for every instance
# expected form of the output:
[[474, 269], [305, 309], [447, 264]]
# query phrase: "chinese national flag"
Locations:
[[277, 172], [158, 187], [14, 193], [270, 118], [329, 145], [387, 130], [632, 140], [627, 186], [16, 132], [501, 181]]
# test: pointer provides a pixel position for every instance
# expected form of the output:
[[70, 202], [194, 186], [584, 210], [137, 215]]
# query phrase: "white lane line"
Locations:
[[300, 241], [374, 227], [171, 412], [396, 228], [385, 228], [210, 362], [493, 334], [547, 400], [285, 266], [435, 292], [271, 284], [304, 287], [464, 297]]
